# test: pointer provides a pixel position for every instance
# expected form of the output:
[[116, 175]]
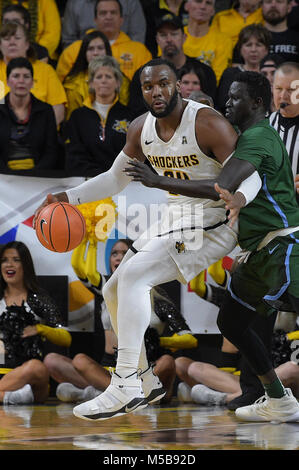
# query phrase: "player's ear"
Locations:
[[178, 86]]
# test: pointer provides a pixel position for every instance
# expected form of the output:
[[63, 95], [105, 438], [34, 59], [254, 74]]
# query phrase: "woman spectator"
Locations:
[[191, 79], [94, 44], [20, 15], [28, 317], [253, 45], [28, 134], [96, 132], [15, 42], [45, 22]]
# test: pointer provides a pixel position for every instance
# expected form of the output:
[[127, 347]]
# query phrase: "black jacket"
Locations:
[[43, 138], [87, 152]]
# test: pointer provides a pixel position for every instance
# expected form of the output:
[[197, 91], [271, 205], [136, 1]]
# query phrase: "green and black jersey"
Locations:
[[275, 206]]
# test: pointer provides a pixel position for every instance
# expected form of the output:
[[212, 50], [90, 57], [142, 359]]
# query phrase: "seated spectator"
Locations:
[[191, 79], [94, 44], [45, 22], [285, 41], [28, 134], [96, 132], [79, 18], [207, 44], [28, 317], [240, 15], [253, 44], [268, 66], [20, 15], [85, 377], [170, 38], [130, 54], [14, 42], [154, 10]]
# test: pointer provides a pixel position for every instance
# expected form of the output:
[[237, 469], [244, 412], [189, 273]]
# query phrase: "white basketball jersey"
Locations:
[[181, 156]]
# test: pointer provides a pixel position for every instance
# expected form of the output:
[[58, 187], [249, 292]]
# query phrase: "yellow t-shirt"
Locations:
[[47, 87], [214, 49], [48, 32], [131, 55], [230, 22]]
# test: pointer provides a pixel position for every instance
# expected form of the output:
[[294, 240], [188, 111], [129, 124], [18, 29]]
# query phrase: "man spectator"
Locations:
[[79, 18], [286, 117], [155, 9], [170, 38], [285, 41], [109, 19], [28, 135], [203, 42]]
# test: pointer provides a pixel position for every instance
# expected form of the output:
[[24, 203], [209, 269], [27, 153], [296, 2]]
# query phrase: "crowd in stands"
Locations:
[[70, 86], [208, 41]]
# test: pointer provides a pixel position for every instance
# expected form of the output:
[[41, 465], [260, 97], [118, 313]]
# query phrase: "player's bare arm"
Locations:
[[132, 149]]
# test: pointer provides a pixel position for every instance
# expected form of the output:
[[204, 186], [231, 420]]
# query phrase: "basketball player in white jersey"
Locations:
[[186, 140]]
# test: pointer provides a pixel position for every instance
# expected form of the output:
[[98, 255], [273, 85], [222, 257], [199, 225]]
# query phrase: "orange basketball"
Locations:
[[60, 227]]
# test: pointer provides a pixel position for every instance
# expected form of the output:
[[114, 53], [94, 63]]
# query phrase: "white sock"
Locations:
[[22, 396]]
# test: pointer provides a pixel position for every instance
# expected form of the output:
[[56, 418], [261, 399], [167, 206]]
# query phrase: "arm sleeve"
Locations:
[[250, 187], [104, 185], [58, 336]]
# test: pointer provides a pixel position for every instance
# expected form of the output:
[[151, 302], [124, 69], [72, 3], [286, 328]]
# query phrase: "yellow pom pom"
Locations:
[[99, 217], [293, 335], [174, 342]]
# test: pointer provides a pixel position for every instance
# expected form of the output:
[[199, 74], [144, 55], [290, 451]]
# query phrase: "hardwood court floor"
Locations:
[[175, 427]]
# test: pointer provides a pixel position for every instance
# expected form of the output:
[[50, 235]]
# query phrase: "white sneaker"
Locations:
[[151, 385], [22, 396], [69, 393], [123, 396], [184, 393], [207, 396], [279, 410]]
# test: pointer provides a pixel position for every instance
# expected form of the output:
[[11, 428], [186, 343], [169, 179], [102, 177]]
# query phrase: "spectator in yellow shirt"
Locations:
[[231, 21], [45, 22], [108, 19], [208, 45], [94, 44], [14, 42]]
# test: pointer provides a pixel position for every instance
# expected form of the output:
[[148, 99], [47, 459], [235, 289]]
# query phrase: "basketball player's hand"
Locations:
[[49, 200], [142, 173], [297, 183], [234, 203]]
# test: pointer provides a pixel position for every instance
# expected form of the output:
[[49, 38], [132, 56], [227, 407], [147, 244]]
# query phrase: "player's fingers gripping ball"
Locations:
[[60, 227]]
